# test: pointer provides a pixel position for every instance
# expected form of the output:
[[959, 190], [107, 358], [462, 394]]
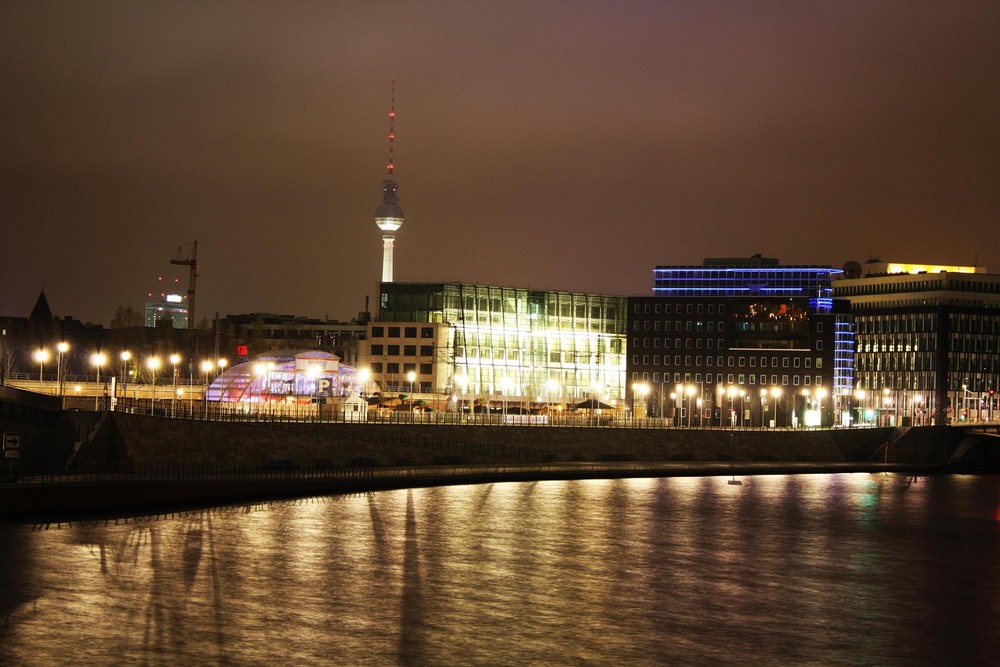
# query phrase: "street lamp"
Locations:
[[174, 360], [153, 364], [805, 405], [411, 376], [40, 355], [763, 397], [551, 385], [60, 348], [690, 390], [859, 395], [363, 376], [206, 368], [731, 392], [820, 397], [463, 382], [98, 359], [775, 394], [125, 357]]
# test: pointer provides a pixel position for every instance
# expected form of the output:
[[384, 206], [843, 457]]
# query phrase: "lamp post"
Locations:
[[153, 364], [763, 397], [60, 348], [174, 360], [775, 394], [206, 368], [504, 386], [731, 392], [98, 359], [820, 399], [805, 405], [643, 393], [363, 376], [689, 390], [125, 356], [40, 355], [410, 377], [859, 397], [463, 383], [701, 414]]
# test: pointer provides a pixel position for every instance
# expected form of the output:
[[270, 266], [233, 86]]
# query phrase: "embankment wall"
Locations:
[[126, 441]]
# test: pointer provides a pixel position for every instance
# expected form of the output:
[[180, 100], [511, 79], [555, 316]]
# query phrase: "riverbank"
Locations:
[[55, 498]]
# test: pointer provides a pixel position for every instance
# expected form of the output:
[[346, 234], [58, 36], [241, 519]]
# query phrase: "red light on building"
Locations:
[[242, 350]]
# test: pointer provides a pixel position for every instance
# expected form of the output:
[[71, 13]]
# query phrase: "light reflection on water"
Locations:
[[818, 569]]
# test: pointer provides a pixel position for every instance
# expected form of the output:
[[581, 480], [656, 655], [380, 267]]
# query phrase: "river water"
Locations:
[[809, 569]]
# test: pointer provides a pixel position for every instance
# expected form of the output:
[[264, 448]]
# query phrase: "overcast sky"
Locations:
[[558, 145]]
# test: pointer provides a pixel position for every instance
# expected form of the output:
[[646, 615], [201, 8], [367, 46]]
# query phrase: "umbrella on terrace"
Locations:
[[593, 404]]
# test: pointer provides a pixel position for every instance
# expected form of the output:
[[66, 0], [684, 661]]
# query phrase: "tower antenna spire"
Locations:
[[392, 123]]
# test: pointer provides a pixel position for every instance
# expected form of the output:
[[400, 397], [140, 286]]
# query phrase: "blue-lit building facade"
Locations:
[[743, 342]]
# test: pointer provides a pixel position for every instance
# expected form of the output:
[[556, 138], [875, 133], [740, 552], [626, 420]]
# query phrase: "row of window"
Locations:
[[408, 350], [730, 378], [689, 308], [679, 343], [392, 368], [689, 325], [718, 361], [408, 332]]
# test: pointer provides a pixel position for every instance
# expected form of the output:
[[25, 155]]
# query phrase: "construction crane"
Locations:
[[189, 260]]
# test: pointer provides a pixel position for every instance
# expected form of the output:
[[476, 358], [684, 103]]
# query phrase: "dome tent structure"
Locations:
[[288, 375]]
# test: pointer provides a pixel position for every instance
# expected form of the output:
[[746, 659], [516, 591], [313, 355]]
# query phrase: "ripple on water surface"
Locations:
[[819, 569]]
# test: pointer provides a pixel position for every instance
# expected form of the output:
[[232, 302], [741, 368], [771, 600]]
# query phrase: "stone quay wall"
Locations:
[[128, 442]]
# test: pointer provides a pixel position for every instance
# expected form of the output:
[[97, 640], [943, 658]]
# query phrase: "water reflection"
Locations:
[[785, 569]]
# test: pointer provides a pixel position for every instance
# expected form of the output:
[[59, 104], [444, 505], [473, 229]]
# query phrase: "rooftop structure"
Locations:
[[750, 276]]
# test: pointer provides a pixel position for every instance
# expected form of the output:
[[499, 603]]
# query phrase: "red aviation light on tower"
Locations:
[[392, 131]]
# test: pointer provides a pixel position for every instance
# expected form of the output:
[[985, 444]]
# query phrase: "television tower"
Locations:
[[389, 216]]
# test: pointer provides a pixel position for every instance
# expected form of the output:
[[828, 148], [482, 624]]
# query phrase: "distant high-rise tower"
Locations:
[[389, 216]]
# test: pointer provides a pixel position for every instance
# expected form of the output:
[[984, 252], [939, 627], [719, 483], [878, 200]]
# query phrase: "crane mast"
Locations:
[[190, 260]]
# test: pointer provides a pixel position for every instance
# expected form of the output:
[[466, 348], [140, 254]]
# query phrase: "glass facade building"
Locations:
[[508, 343]]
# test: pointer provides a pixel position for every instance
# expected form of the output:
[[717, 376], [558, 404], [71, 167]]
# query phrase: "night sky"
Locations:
[[556, 145]]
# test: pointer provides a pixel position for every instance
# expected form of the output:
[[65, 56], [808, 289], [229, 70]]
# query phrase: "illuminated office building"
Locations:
[[741, 341], [488, 343], [928, 341], [170, 308]]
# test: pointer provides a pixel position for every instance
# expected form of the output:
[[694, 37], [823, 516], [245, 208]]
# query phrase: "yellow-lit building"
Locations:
[[490, 344]]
